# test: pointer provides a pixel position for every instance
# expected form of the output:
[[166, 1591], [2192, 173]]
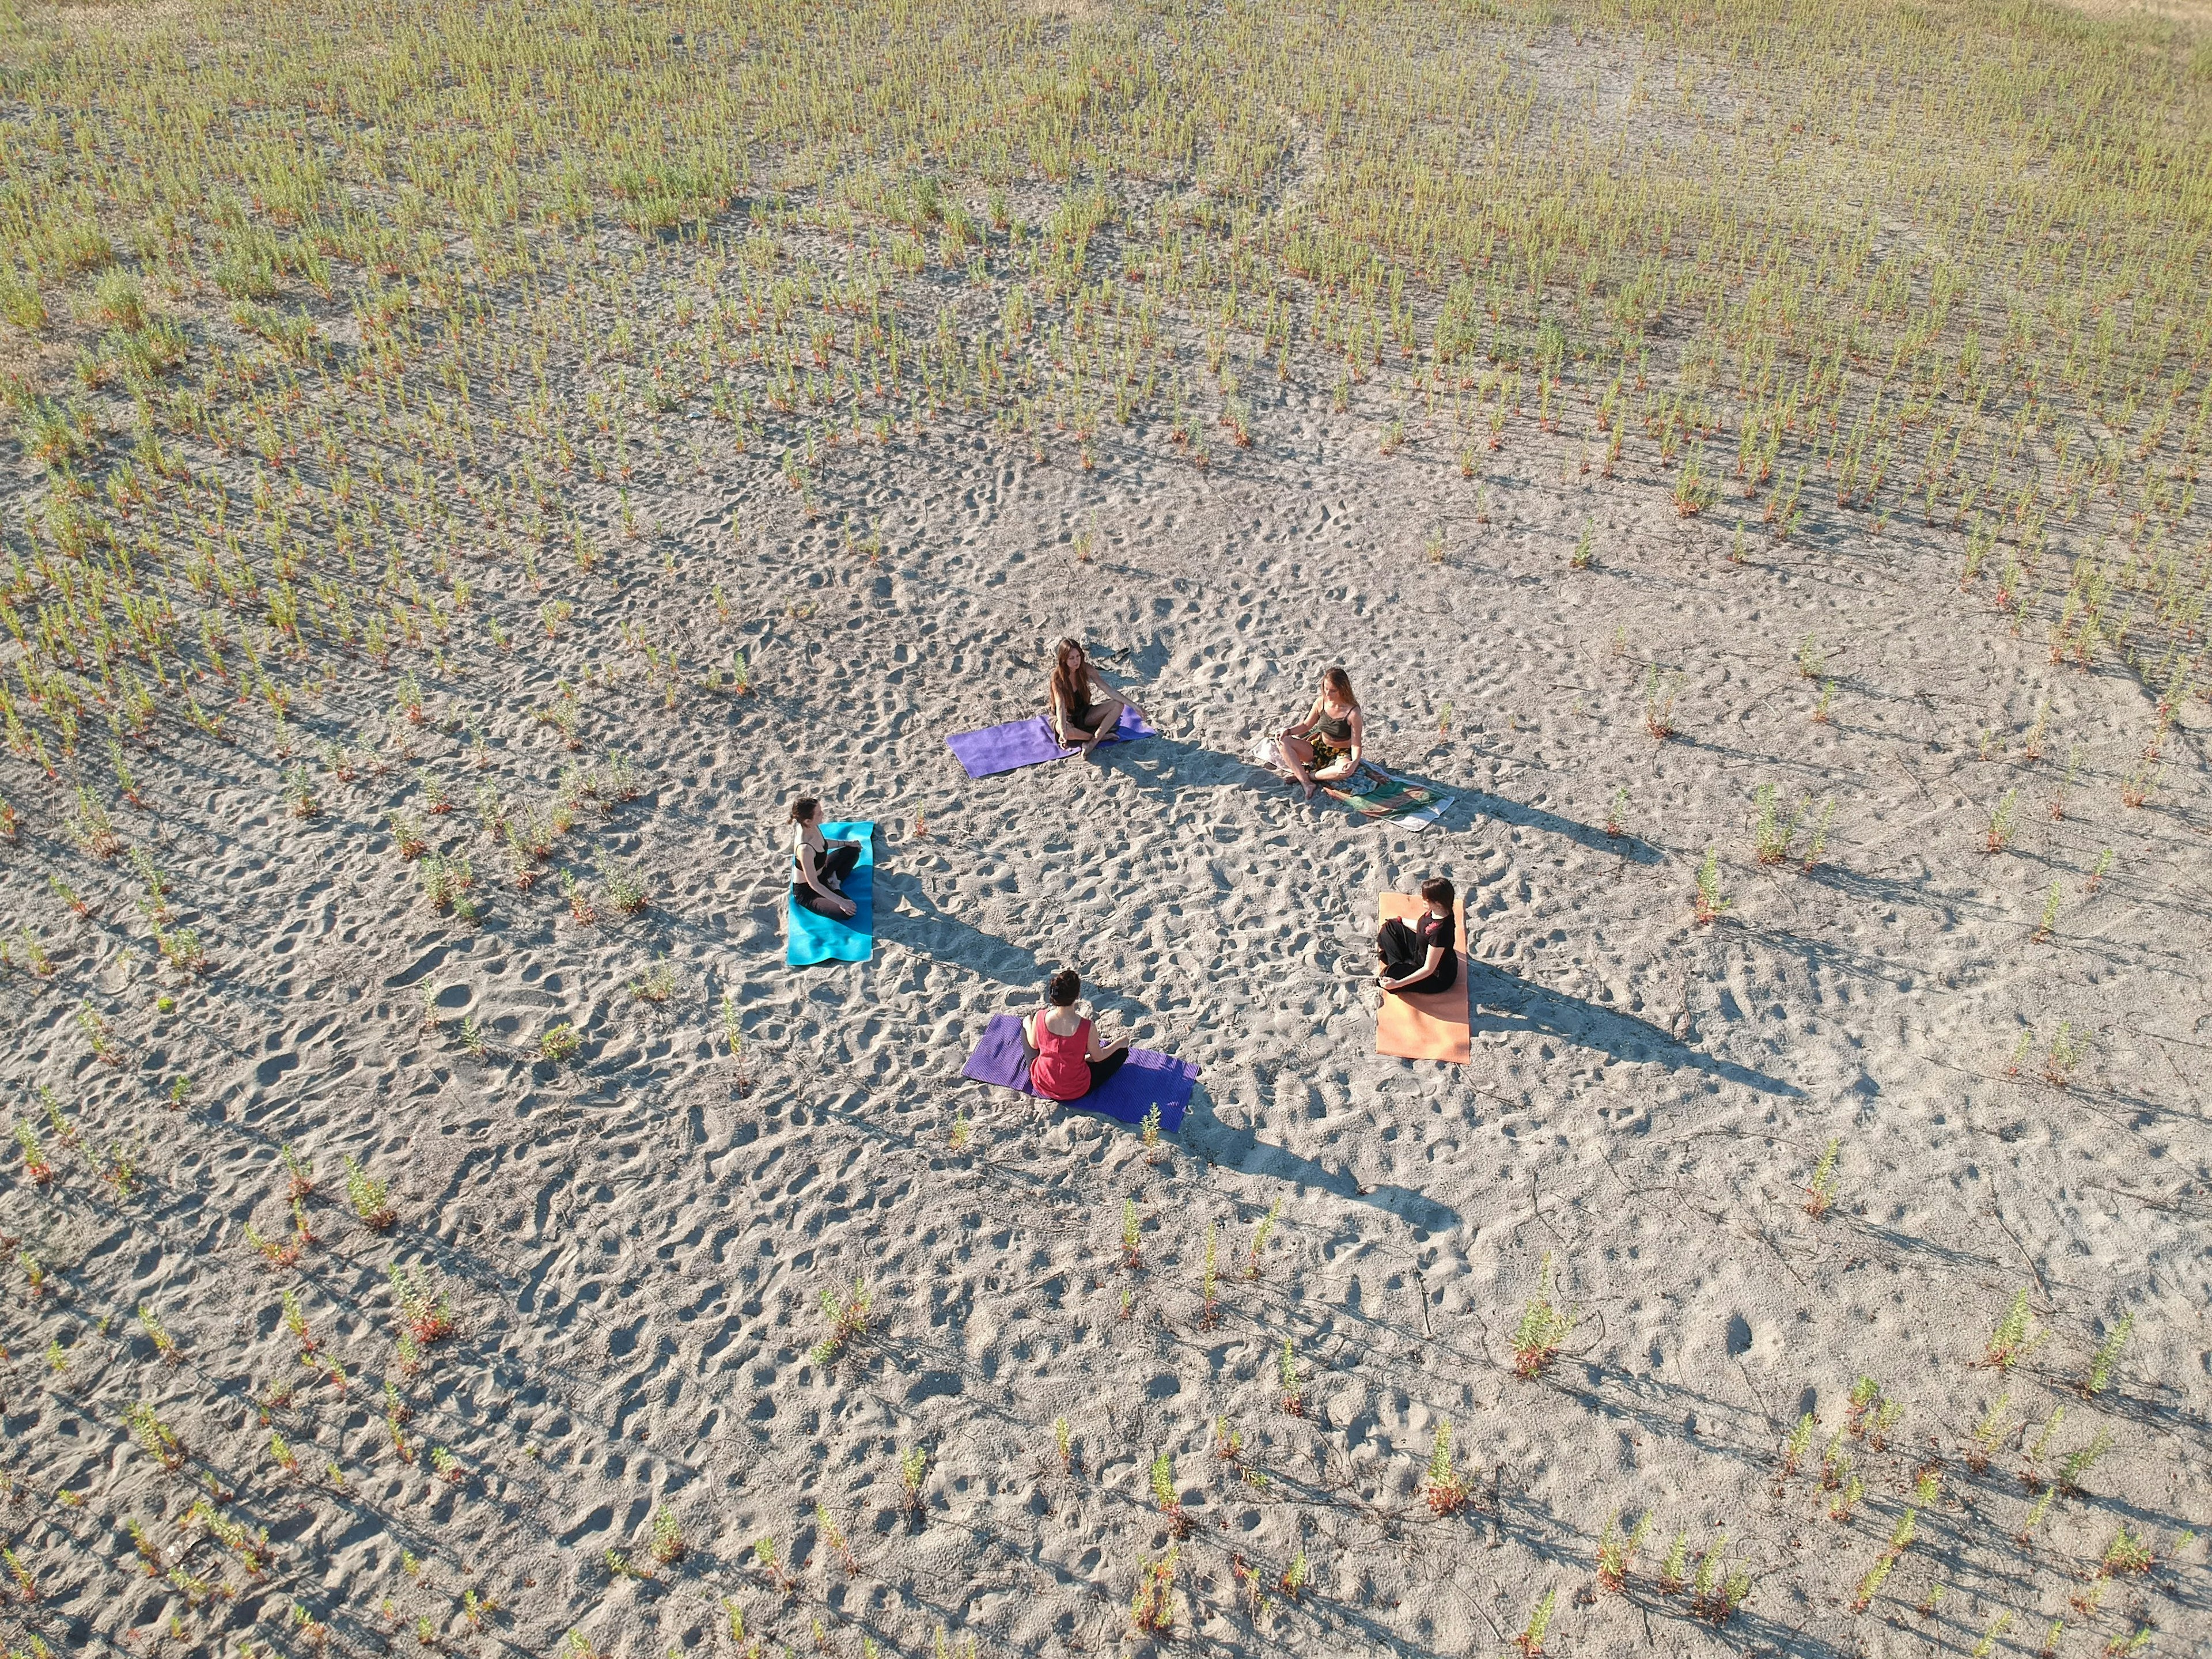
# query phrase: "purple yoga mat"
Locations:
[[1027, 742], [1146, 1080]]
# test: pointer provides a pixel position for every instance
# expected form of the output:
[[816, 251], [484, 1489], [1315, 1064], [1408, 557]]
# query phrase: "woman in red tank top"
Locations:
[[1069, 1063]]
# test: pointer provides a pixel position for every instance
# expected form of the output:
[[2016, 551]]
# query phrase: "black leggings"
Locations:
[[1403, 953], [1105, 1066], [836, 866]]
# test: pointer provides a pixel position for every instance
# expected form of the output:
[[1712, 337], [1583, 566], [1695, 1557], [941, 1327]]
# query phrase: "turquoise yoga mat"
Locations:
[[824, 938]]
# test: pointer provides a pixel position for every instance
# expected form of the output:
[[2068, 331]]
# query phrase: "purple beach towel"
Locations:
[[1017, 744], [1146, 1080]]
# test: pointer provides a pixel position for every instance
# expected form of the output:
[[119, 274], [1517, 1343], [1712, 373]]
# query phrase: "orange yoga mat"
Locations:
[[1431, 1027]]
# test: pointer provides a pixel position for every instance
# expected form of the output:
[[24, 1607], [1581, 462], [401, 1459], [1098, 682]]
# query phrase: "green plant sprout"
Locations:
[[1709, 903], [1530, 1641], [1820, 1190], [847, 1315], [1617, 1550], [2107, 1356], [1444, 1488], [1545, 1323], [2016, 1337], [1800, 1442], [1261, 1234]]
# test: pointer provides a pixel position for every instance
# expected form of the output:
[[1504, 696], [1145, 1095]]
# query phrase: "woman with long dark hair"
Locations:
[[1083, 708], [818, 865], [1325, 746]]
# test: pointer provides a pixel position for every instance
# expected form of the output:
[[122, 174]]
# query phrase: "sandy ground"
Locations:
[[636, 1244]]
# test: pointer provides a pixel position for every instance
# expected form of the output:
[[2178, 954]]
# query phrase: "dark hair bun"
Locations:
[[1064, 987]]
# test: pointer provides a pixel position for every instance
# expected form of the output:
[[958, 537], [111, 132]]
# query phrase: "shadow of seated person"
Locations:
[[1501, 1001], [1521, 816], [906, 915], [1204, 1134]]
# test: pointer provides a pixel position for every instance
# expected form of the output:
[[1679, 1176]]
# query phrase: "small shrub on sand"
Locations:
[[2099, 1375], [668, 1544], [1152, 1608], [425, 1311], [2003, 820], [1673, 1568], [1259, 1236], [1821, 1191], [1616, 1551], [1709, 903], [1718, 1590], [155, 1438], [1444, 1487], [1793, 1449], [2063, 1058], [2127, 1554], [1530, 1641], [847, 1314], [1544, 1324], [367, 1194], [833, 1537], [1167, 1498], [36, 1167], [2016, 1337], [1659, 695]]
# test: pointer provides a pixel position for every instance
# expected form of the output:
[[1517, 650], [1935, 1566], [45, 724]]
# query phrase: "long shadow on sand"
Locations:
[[1165, 764], [1205, 1134], [1502, 1002], [908, 916], [1474, 802]]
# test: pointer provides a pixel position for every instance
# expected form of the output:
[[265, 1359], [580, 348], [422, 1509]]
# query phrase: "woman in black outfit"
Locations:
[[1425, 957], [820, 865]]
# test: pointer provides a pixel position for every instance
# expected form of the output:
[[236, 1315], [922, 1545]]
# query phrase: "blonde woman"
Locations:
[[1325, 746]]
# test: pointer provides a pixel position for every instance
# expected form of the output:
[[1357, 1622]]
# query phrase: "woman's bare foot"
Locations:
[[1110, 720]]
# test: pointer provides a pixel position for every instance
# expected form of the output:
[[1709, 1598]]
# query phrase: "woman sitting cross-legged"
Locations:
[[1069, 1063], [1425, 957], [1325, 746], [1083, 710], [818, 865]]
